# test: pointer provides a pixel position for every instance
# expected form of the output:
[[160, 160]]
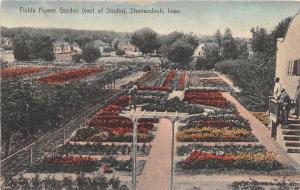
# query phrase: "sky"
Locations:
[[199, 17]]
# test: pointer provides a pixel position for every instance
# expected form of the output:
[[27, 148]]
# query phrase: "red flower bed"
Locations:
[[15, 71], [69, 159], [182, 80], [155, 88], [74, 74], [109, 120], [169, 78], [206, 97], [200, 155]]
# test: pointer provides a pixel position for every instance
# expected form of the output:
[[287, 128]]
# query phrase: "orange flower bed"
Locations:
[[16, 71], [70, 75], [182, 80]]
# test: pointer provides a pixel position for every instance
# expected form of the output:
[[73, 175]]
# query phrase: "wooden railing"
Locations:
[[274, 113]]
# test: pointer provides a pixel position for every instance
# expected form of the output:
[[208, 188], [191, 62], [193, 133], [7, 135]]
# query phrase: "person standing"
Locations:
[[277, 89], [285, 105], [297, 100], [133, 92]]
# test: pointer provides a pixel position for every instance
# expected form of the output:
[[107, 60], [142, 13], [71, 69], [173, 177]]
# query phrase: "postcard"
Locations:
[[150, 95]]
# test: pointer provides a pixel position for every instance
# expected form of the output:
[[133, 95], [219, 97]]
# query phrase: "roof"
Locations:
[[98, 43], [211, 44], [60, 43], [5, 39], [124, 40]]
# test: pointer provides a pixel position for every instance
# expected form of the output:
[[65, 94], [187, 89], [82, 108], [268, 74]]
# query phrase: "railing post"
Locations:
[[64, 134], [172, 155], [134, 154], [31, 154]]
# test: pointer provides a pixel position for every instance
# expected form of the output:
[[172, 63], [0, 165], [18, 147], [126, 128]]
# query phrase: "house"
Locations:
[[288, 57], [250, 50], [124, 43], [64, 51], [7, 56], [6, 43], [65, 47], [205, 47], [288, 71], [101, 45]]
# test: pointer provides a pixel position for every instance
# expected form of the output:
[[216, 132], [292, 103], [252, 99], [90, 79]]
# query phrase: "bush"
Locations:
[[120, 52], [147, 68], [254, 77]]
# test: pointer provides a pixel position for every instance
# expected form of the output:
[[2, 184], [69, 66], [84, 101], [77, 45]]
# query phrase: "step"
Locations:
[[291, 138], [291, 126], [292, 144], [291, 132], [293, 150], [294, 121]]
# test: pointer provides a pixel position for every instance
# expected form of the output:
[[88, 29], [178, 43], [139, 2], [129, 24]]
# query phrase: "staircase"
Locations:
[[289, 136]]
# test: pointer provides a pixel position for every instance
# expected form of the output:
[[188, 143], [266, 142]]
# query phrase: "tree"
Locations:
[[33, 47], [281, 29], [266, 43], [180, 52], [218, 37], [90, 54], [21, 48], [202, 63], [261, 41], [146, 40], [229, 46]]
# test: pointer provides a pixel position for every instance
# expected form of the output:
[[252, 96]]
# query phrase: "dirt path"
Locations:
[[157, 171], [229, 82]]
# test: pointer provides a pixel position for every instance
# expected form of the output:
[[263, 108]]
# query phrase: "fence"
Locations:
[[25, 157]]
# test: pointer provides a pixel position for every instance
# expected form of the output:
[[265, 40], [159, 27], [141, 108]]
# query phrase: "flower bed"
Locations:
[[169, 79], [16, 71], [97, 182], [253, 184], [211, 134], [206, 97], [217, 121], [262, 117], [263, 161], [172, 105], [76, 164], [69, 164], [227, 149], [69, 75], [155, 88], [107, 126], [182, 77], [102, 149], [91, 134]]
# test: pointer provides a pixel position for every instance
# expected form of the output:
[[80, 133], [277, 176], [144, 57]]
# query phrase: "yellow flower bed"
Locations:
[[216, 134], [255, 156], [262, 117]]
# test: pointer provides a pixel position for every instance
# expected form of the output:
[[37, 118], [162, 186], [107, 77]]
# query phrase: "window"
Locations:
[[296, 69], [289, 68]]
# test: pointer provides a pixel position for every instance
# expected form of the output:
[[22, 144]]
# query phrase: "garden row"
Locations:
[[80, 182], [206, 79], [224, 125], [166, 81]]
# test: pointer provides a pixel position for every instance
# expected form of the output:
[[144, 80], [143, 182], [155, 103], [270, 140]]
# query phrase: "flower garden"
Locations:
[[213, 139], [69, 75], [18, 71]]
